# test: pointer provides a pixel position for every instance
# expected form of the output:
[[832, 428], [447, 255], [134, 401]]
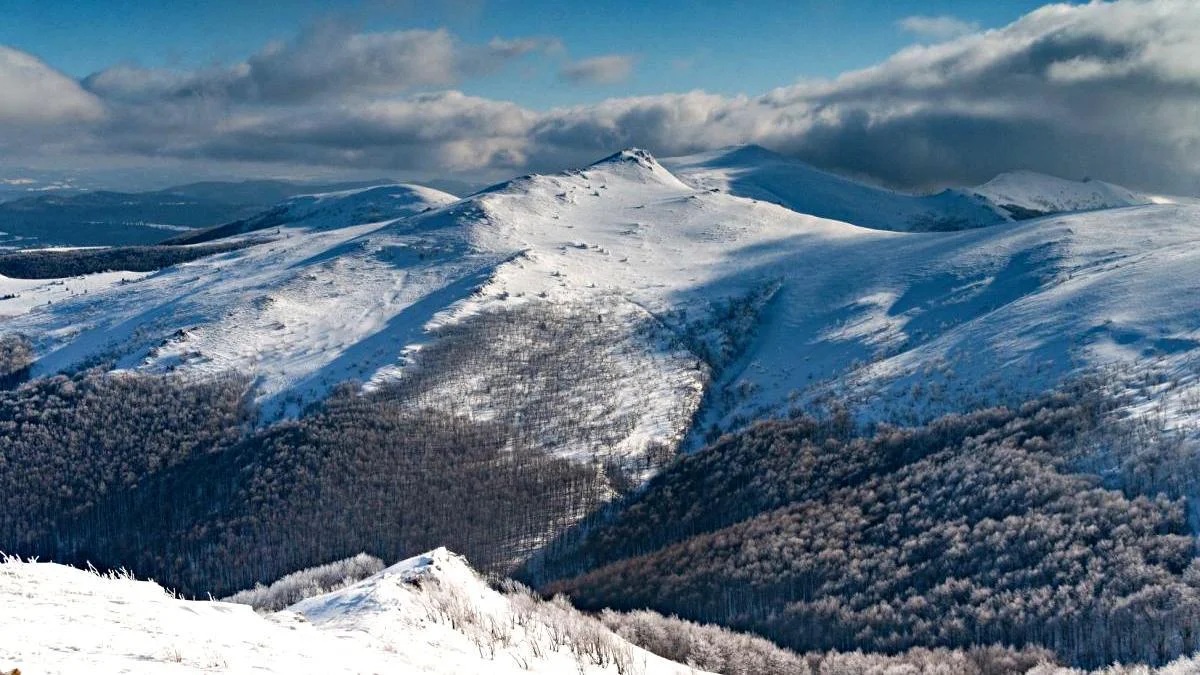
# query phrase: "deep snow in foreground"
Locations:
[[428, 614]]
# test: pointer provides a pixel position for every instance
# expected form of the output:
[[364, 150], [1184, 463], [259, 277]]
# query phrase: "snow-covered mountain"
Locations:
[[692, 291], [1026, 194], [757, 173], [282, 310], [429, 614]]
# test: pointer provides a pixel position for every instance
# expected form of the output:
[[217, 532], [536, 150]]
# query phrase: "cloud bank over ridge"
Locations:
[[1104, 89]]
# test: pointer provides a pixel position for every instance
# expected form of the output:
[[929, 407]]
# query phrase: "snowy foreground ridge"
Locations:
[[428, 614]]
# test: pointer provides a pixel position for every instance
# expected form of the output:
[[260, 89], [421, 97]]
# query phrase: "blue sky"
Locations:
[[727, 48]]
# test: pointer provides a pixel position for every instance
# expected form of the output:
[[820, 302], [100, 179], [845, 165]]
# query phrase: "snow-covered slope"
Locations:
[[757, 173], [285, 310], [332, 209], [429, 614], [908, 324], [677, 290], [1033, 194], [20, 296]]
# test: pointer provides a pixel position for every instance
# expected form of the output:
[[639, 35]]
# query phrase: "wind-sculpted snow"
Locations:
[[687, 289], [429, 614]]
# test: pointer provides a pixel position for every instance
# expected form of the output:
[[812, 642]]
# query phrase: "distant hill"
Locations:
[[105, 218], [1028, 194], [329, 209]]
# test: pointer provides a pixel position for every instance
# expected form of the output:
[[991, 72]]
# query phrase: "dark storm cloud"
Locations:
[[1106, 89]]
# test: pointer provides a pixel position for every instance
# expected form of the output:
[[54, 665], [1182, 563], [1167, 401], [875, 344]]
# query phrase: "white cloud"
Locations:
[[937, 27], [32, 93], [1110, 90], [609, 69], [325, 62]]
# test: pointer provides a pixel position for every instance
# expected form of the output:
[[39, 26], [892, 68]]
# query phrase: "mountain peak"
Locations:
[[439, 560], [638, 165], [1036, 193], [637, 156]]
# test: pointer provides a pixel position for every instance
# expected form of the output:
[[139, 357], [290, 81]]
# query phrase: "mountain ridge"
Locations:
[[758, 173], [856, 311]]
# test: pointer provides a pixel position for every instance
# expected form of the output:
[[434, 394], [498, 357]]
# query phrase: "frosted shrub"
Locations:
[[308, 583]]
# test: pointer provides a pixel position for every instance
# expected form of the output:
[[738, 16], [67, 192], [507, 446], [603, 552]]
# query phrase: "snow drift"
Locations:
[[428, 614]]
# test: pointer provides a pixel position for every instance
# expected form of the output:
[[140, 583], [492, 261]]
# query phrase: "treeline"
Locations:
[[716, 649], [965, 532], [168, 479], [55, 264], [769, 465], [273, 217]]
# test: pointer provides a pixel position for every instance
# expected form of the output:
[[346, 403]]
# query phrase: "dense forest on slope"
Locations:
[[67, 444], [167, 478], [968, 531], [181, 482], [16, 359], [556, 375], [58, 263], [713, 648], [976, 529]]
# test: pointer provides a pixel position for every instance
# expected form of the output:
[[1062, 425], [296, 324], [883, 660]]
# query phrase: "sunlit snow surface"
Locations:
[[62, 621], [1039, 192], [899, 324], [21, 296]]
